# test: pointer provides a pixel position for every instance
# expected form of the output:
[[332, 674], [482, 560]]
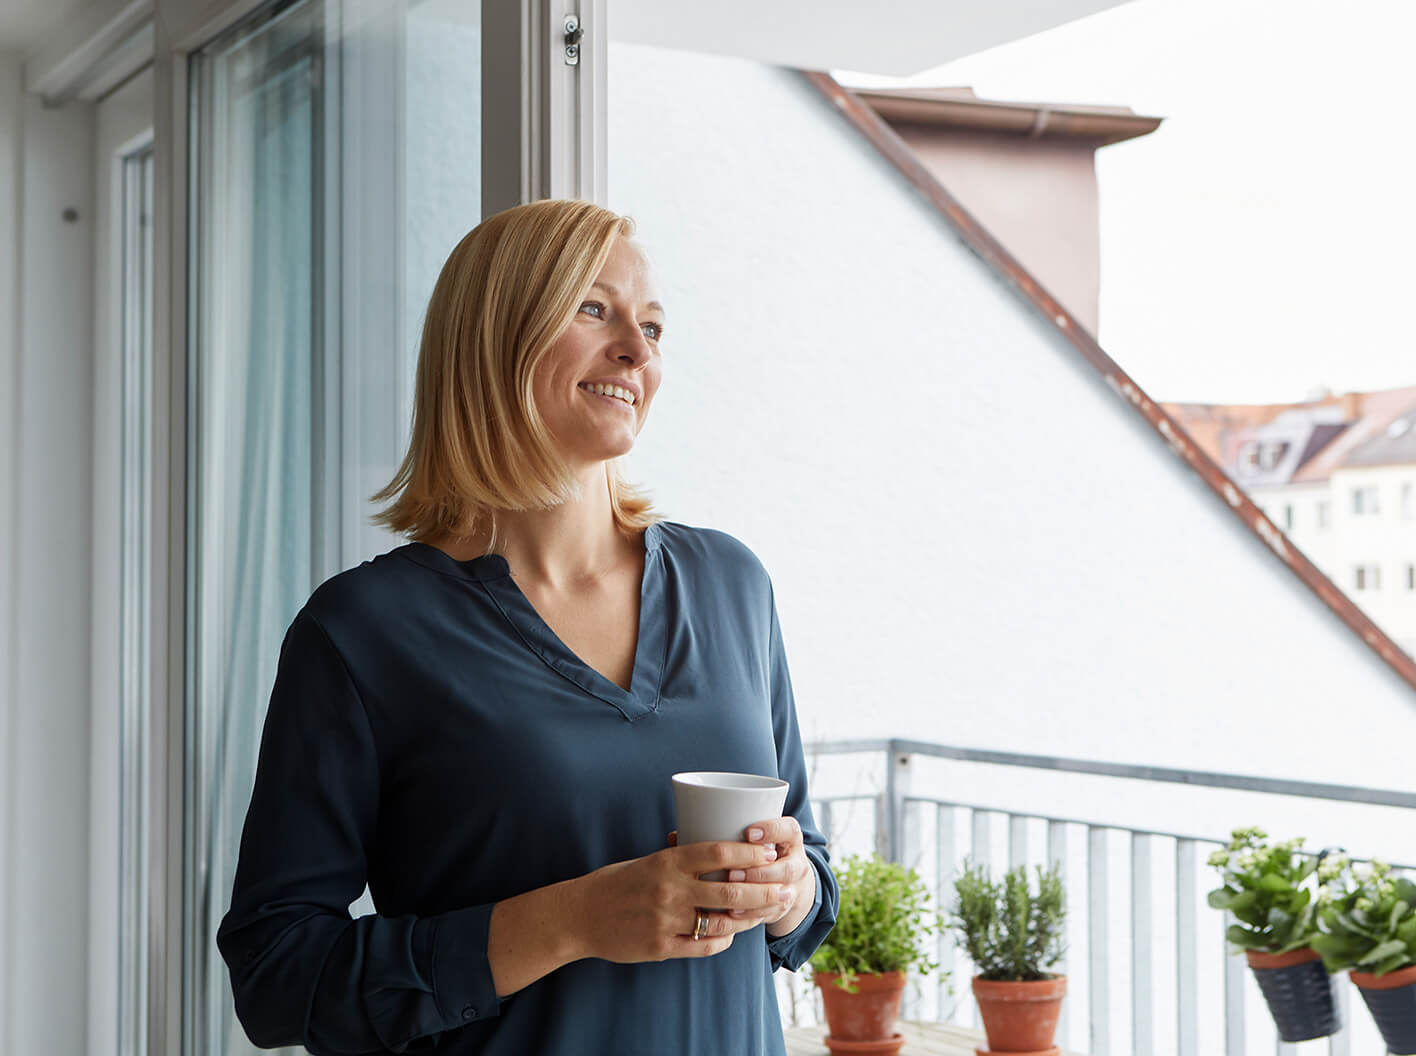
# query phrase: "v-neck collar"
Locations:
[[493, 573]]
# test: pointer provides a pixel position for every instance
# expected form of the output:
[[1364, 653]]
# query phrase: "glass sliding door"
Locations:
[[257, 528], [336, 160]]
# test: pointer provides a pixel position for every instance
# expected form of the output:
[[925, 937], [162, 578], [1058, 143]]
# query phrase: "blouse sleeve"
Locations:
[[303, 972], [792, 950]]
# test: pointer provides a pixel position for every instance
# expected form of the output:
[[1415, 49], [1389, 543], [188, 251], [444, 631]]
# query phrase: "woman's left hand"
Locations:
[[792, 868]]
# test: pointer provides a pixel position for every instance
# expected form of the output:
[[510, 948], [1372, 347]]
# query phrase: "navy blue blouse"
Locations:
[[430, 735]]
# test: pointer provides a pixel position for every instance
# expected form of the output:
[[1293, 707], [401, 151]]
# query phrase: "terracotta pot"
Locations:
[[1020, 1017], [863, 1022], [1391, 999], [1298, 990]]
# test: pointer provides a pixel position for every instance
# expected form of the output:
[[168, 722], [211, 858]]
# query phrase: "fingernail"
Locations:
[[736, 876], [738, 912], [771, 854], [784, 894], [754, 834]]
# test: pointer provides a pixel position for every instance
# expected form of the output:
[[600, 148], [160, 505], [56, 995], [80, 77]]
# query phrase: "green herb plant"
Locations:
[[1367, 918], [1267, 889], [1010, 931], [882, 924]]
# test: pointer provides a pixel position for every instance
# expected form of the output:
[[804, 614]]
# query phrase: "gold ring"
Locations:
[[700, 926]]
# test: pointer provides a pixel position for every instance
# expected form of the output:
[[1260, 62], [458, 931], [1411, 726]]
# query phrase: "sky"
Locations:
[[1260, 246]]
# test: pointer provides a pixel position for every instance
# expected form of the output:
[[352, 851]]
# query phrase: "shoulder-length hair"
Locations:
[[505, 295]]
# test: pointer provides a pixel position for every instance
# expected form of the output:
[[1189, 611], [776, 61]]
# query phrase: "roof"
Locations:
[[1351, 429], [960, 108], [873, 126]]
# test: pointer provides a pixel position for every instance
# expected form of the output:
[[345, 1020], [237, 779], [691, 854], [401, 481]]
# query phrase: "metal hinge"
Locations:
[[573, 32]]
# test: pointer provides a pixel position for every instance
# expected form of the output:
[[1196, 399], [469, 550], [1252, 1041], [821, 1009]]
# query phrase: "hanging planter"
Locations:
[[1298, 990], [1270, 891], [1391, 999]]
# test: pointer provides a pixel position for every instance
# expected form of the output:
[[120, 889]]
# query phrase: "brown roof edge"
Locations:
[[948, 109], [897, 152]]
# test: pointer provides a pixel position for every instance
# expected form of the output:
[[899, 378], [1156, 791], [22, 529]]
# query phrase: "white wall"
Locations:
[[48, 540], [973, 539]]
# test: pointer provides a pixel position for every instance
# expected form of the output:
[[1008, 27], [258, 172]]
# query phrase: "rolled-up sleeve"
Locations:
[[302, 971], [792, 950]]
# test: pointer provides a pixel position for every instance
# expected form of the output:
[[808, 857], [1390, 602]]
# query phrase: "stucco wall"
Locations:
[[973, 539]]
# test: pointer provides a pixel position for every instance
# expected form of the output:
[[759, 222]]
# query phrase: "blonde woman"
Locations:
[[482, 724]]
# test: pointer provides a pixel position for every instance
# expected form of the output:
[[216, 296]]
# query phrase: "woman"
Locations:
[[482, 724]]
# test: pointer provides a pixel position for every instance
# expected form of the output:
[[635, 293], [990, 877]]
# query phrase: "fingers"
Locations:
[[784, 832], [746, 900], [720, 856]]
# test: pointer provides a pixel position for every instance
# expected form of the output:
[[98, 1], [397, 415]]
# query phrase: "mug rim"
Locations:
[[728, 781]]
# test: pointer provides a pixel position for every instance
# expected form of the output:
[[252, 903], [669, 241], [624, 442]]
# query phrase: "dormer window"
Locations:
[[1262, 456]]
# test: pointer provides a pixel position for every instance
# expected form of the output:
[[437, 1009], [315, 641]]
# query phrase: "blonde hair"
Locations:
[[505, 295]]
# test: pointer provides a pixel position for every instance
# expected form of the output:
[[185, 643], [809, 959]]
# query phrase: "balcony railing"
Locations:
[[1148, 970]]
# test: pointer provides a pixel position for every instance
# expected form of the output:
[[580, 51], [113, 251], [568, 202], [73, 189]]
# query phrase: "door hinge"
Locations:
[[574, 31]]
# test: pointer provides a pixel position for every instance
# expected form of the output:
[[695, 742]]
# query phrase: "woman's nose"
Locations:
[[631, 346]]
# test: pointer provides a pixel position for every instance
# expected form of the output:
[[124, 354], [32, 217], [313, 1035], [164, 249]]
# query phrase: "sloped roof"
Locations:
[[1351, 429], [869, 123]]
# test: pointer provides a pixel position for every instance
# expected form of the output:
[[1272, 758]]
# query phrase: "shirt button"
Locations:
[[468, 1012]]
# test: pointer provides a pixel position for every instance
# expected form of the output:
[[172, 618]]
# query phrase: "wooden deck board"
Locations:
[[921, 1039]]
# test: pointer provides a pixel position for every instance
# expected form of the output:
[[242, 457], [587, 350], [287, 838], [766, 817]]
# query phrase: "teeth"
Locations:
[[610, 390]]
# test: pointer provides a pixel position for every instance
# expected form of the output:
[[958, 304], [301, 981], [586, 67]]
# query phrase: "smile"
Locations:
[[613, 391]]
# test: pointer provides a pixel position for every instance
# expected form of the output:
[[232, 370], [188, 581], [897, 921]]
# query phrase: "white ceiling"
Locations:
[[25, 23], [897, 37]]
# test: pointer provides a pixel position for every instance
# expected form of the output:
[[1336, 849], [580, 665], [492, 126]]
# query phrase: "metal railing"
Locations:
[[899, 815]]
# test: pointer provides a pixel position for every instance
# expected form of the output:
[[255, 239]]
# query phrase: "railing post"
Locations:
[[897, 781]]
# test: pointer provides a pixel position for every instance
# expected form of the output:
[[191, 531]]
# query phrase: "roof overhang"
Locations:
[[959, 108], [893, 37]]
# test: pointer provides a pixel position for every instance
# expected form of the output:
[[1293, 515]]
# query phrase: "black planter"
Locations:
[[1300, 999], [1395, 1013]]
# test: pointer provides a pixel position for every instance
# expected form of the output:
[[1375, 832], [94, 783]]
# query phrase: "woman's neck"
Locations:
[[562, 546]]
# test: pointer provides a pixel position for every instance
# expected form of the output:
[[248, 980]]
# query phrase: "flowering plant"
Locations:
[[1367, 917], [1266, 889]]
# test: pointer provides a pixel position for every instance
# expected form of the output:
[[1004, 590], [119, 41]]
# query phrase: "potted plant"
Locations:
[[1368, 923], [1267, 888], [881, 926], [1013, 934]]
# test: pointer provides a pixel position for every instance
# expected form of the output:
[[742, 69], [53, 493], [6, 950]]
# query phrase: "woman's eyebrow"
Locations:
[[613, 291]]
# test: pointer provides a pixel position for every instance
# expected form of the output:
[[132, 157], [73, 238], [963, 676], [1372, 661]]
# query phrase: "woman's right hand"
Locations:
[[645, 909]]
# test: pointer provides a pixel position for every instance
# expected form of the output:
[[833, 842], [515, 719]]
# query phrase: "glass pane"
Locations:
[[337, 161], [254, 418], [134, 578]]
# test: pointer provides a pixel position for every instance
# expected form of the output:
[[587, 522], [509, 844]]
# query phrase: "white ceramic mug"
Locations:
[[712, 805]]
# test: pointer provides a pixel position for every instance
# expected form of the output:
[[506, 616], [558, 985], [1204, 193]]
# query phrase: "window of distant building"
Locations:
[[1368, 577], [1262, 457], [1364, 501], [1324, 511]]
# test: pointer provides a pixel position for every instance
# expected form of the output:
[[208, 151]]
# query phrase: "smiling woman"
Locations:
[[482, 724]]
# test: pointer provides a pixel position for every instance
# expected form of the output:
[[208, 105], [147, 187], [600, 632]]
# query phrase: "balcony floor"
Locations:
[[921, 1039]]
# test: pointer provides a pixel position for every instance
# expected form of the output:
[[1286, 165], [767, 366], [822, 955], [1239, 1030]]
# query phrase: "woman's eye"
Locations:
[[594, 309], [653, 331]]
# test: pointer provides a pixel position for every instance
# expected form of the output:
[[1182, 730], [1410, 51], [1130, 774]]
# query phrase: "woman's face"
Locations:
[[613, 340]]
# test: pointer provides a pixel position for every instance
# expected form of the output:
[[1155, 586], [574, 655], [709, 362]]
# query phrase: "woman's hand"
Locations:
[[645, 909], [790, 868]]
